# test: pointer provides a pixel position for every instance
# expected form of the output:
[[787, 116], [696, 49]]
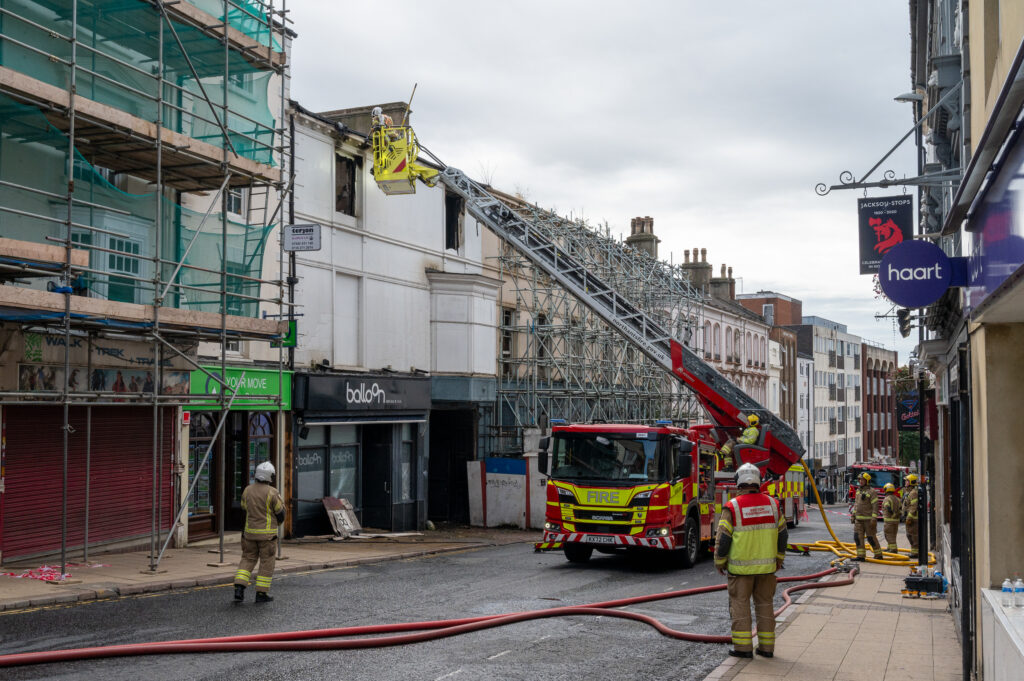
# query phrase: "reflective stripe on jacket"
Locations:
[[891, 508], [910, 504], [756, 523], [261, 503], [865, 503], [749, 435]]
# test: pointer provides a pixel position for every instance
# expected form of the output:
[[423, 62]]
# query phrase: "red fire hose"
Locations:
[[424, 631]]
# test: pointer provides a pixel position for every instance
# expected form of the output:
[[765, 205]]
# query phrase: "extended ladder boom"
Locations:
[[727, 405]]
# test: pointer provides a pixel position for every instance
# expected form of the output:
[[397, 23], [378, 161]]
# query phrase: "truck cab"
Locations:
[[627, 488]]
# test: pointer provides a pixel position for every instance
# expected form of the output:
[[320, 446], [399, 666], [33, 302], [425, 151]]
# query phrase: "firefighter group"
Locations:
[[865, 524]]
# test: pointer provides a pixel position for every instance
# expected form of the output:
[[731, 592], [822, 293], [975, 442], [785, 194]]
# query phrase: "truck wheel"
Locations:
[[689, 554], [577, 553], [796, 518]]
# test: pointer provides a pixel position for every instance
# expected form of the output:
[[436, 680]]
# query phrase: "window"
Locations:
[[122, 289], [453, 218], [234, 200], [768, 312], [345, 185], [242, 81], [508, 339], [406, 463]]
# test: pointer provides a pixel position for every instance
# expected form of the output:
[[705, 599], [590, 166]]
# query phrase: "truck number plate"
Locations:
[[597, 539]]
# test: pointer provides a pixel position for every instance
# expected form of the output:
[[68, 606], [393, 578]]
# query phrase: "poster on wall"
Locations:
[[49, 378], [882, 222]]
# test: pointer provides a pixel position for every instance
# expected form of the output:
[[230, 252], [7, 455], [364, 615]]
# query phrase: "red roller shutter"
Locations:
[[121, 490]]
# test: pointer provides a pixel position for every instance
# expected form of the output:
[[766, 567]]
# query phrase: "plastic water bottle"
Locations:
[[1007, 593], [1018, 593]]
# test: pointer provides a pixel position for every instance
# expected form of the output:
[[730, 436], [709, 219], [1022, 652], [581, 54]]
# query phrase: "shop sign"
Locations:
[[363, 392], [882, 223], [909, 412], [257, 388], [917, 273]]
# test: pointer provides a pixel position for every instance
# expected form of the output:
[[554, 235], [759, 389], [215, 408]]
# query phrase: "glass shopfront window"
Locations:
[[344, 471], [406, 465]]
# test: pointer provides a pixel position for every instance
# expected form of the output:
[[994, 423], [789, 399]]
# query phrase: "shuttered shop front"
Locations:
[[121, 475]]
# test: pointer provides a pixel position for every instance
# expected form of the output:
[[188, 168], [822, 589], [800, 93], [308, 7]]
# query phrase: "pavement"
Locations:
[[864, 630], [25, 586]]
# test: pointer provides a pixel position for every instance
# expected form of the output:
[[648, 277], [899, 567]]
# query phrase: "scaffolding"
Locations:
[[129, 129], [558, 359]]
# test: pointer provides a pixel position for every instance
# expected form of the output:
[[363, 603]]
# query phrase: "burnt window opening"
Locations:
[[345, 185], [453, 212]]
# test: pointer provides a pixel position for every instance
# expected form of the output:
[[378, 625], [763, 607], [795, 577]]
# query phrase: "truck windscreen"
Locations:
[[625, 457], [881, 478]]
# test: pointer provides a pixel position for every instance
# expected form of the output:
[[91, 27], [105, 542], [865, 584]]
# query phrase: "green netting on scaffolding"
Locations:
[[251, 17], [121, 45], [119, 228]]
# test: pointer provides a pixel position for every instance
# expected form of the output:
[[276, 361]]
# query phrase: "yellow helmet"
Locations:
[[889, 487], [866, 477], [753, 419], [912, 479]]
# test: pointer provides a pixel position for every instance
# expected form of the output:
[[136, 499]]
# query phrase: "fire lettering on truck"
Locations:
[[602, 497]]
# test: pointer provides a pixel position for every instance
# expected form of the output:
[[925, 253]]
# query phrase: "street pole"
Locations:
[[922, 488]]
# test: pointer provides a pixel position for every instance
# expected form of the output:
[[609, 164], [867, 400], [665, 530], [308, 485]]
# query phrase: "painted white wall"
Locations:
[[366, 299]]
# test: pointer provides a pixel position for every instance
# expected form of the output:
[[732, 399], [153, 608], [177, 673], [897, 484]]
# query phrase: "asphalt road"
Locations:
[[486, 581]]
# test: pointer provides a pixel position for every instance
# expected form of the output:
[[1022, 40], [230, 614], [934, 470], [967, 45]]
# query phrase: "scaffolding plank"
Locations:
[[33, 252], [37, 90]]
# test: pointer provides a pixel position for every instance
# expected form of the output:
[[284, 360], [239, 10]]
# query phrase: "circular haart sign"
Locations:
[[915, 273]]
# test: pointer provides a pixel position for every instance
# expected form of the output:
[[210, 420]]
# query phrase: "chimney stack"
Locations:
[[642, 236]]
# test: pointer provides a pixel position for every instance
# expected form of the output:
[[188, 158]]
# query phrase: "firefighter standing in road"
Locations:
[[748, 437], [891, 516], [264, 512], [865, 525], [910, 512], [750, 547]]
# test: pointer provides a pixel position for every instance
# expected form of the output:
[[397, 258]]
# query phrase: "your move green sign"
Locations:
[[258, 389]]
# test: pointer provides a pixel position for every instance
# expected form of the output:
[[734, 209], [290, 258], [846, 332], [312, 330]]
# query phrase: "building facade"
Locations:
[[111, 278], [879, 429]]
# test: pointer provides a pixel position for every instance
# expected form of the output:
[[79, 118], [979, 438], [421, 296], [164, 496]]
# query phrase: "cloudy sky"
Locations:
[[715, 118]]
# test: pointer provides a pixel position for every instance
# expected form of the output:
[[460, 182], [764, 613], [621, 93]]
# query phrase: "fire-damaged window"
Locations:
[[453, 218], [345, 184]]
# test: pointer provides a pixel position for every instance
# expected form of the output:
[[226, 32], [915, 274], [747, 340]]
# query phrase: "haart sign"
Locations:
[[915, 273]]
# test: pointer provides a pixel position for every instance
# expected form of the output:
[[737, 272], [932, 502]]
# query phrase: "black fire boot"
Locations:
[[239, 592], [741, 653], [765, 653], [263, 597]]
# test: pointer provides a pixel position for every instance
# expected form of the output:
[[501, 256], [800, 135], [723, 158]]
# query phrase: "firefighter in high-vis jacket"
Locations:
[[749, 548], [910, 512], [748, 437], [865, 525], [264, 512], [891, 510]]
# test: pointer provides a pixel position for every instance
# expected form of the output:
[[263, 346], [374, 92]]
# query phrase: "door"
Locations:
[[377, 483], [452, 444]]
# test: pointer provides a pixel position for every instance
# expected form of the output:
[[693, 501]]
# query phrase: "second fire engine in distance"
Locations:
[[620, 487]]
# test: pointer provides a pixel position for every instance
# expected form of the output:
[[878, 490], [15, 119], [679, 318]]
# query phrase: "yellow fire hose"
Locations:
[[848, 550]]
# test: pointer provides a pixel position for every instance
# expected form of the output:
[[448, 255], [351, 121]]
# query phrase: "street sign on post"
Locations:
[[302, 237]]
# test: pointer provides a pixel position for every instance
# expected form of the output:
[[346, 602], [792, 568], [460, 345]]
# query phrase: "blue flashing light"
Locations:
[[557, 422], [663, 422]]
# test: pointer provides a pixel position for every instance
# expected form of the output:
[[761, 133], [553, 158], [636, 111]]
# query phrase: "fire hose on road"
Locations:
[[396, 634]]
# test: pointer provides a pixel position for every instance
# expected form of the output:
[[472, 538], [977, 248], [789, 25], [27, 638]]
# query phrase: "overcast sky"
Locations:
[[715, 118]]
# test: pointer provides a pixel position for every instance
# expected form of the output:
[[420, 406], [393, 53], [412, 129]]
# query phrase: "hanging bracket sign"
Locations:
[[917, 273], [302, 237]]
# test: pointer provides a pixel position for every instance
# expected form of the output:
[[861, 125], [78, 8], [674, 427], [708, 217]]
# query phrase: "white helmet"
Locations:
[[265, 472], [748, 474], [377, 111]]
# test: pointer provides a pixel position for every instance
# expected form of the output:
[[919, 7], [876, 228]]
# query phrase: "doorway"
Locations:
[[452, 445], [377, 485]]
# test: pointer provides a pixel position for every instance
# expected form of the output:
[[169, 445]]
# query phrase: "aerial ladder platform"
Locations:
[[727, 406]]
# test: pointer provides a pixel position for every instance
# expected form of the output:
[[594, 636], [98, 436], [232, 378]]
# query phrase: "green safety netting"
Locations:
[[251, 17], [123, 243], [120, 46]]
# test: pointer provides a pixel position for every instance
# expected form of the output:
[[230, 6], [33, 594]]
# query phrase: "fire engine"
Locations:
[[665, 506], [619, 488], [881, 474]]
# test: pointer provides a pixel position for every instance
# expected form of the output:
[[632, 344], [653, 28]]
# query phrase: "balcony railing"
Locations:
[[840, 362], [831, 426], [832, 358]]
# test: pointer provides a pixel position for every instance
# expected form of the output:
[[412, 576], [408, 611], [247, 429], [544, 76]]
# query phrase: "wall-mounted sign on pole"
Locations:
[[302, 237], [917, 273], [882, 223]]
